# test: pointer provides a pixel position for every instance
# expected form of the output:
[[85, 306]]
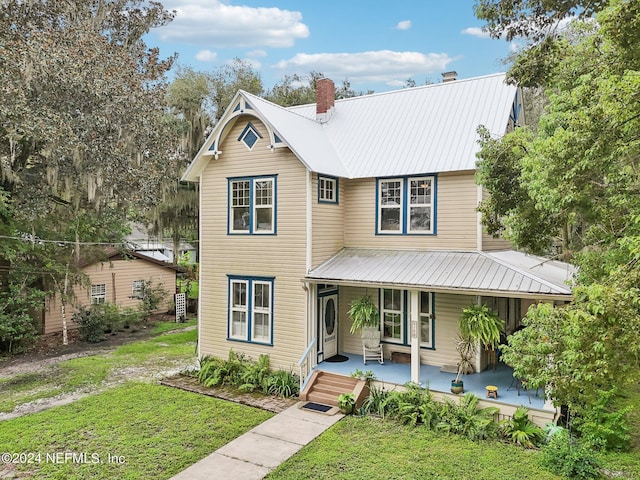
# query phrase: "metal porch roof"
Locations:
[[500, 273]]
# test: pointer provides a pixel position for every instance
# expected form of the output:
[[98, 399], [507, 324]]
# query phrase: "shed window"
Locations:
[[98, 293]]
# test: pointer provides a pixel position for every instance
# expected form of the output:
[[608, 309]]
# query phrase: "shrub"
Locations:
[[108, 314], [256, 375], [416, 406], [130, 317], [519, 429], [92, 326], [247, 375], [378, 402], [601, 426], [17, 329], [284, 384], [467, 419], [152, 296], [563, 455]]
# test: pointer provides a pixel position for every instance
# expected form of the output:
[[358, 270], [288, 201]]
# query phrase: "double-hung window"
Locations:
[[327, 190], [406, 205], [426, 319], [392, 315], [251, 309], [252, 205], [395, 313], [98, 293], [137, 289]]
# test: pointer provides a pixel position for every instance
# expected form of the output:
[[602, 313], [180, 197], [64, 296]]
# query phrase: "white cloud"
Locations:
[[213, 23], [476, 32], [258, 53], [404, 25], [377, 66], [206, 56]]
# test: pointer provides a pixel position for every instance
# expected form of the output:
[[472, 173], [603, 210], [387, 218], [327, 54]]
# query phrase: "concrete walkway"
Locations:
[[257, 452]]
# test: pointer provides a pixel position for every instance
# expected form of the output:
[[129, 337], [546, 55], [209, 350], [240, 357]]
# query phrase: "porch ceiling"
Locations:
[[510, 273]]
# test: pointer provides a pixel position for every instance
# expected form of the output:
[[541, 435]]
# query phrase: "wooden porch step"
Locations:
[[325, 387]]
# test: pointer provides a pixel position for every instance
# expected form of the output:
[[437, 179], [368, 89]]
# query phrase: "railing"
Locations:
[[304, 364]]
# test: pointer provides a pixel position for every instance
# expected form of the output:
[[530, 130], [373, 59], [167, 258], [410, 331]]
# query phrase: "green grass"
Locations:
[[357, 448], [86, 373], [159, 431], [163, 327], [366, 447]]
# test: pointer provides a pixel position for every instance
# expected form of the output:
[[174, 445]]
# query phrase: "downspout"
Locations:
[[309, 309]]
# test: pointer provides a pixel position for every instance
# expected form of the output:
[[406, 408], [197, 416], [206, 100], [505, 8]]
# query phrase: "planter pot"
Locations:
[[457, 387]]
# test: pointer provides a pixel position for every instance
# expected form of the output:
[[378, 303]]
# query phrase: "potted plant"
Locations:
[[477, 324], [346, 402], [364, 313]]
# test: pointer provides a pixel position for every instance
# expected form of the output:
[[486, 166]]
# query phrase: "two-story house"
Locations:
[[304, 209]]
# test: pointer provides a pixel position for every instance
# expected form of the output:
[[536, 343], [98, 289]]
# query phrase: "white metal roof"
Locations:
[[427, 129], [499, 273]]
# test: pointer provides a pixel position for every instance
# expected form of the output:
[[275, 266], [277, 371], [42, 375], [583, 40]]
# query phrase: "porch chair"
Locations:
[[371, 345]]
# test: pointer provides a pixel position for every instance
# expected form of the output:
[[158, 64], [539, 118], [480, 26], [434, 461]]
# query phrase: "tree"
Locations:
[[82, 136], [228, 79], [576, 178]]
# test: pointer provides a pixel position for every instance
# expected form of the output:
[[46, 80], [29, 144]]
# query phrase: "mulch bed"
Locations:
[[258, 400]]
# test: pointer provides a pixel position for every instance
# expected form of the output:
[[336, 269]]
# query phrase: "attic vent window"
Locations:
[[249, 136]]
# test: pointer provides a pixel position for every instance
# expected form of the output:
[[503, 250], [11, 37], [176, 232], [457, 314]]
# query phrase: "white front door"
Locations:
[[328, 317]]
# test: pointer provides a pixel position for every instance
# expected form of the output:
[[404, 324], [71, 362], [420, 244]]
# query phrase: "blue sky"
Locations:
[[376, 45]]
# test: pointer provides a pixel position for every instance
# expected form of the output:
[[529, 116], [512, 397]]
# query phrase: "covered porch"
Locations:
[[390, 374], [511, 395]]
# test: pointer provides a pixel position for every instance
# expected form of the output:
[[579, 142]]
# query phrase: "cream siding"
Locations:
[[281, 256], [118, 276], [456, 220], [328, 224]]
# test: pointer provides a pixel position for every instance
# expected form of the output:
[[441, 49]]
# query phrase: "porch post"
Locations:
[[414, 322]]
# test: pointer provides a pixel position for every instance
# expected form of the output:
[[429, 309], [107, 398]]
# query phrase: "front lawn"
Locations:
[[89, 373], [366, 447], [146, 431]]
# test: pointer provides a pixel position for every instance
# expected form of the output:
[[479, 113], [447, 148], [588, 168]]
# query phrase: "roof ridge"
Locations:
[[286, 109]]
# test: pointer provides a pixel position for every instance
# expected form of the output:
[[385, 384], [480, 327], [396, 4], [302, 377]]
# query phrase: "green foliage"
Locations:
[[17, 329], [481, 324], [97, 319], [466, 418], [92, 326], [367, 376], [520, 430], [283, 384], [416, 406], [152, 297], [602, 426], [364, 313], [347, 402], [241, 372], [565, 456]]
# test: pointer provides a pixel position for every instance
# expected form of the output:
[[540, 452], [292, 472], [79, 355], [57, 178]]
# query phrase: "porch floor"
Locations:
[[437, 381]]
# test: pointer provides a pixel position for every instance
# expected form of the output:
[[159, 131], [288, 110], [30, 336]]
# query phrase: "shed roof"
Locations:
[[426, 129], [508, 273]]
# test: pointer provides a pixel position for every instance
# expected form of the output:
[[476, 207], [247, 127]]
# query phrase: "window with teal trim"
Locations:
[[251, 309], [252, 205], [406, 205]]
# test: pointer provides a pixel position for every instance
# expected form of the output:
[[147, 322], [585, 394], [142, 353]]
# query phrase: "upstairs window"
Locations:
[[327, 190], [406, 205], [252, 205]]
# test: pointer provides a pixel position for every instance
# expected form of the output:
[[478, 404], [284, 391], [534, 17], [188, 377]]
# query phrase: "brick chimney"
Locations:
[[449, 76], [325, 99]]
